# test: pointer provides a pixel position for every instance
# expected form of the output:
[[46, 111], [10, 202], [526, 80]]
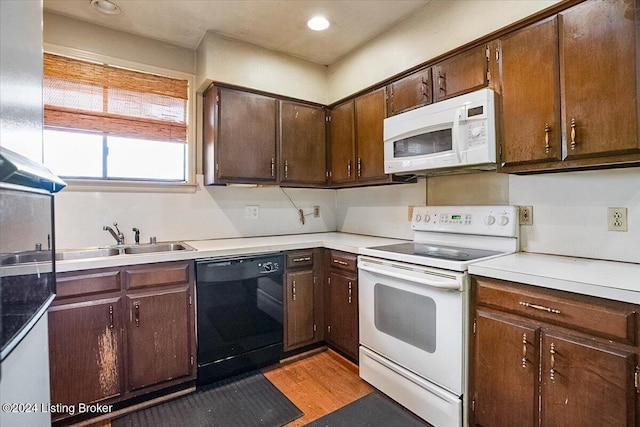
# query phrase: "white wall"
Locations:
[[435, 29], [570, 213], [230, 61]]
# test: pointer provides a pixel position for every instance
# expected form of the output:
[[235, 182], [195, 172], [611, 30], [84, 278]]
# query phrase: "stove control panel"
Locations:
[[482, 220]]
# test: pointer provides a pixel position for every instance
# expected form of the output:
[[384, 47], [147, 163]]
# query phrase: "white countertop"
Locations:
[[607, 279], [238, 246]]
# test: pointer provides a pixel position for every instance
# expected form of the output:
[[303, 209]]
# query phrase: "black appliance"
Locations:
[[240, 314], [27, 246]]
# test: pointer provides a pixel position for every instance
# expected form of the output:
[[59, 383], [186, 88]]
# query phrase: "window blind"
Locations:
[[89, 96]]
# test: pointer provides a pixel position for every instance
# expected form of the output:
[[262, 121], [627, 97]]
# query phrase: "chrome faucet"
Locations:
[[118, 236]]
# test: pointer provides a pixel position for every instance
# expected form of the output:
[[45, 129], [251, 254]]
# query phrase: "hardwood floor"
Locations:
[[318, 384]]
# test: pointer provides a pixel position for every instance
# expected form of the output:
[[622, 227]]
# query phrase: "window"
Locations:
[[107, 123]]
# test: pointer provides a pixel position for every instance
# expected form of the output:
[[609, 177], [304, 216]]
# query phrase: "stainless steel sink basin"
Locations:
[[26, 257], [157, 247], [86, 253]]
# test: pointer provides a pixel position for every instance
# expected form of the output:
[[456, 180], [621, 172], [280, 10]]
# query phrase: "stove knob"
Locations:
[[504, 220], [427, 217], [418, 217], [268, 266], [489, 220]]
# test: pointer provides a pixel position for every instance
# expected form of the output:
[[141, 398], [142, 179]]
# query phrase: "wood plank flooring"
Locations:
[[318, 384]]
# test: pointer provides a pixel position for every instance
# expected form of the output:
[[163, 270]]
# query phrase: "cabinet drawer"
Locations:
[[156, 275], [343, 261], [300, 259], [87, 283], [603, 318]]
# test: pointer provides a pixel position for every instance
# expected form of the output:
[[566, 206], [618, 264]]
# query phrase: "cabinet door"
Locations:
[[370, 114], [464, 72], [246, 146], [303, 159], [410, 92], [586, 384], [300, 308], [531, 131], [505, 367], [598, 69], [343, 313], [85, 352], [342, 143], [159, 336]]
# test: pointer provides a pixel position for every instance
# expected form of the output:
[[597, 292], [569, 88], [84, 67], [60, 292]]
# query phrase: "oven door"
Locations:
[[413, 316]]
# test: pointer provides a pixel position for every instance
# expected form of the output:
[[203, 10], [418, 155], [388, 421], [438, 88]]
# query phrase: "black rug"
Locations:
[[370, 410], [246, 400]]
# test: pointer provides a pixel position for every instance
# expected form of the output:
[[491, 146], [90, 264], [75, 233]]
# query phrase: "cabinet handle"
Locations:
[[110, 317], [539, 307], [349, 292], [359, 167], [273, 167], [301, 259], [293, 291], [136, 305], [573, 134], [286, 169], [337, 261], [349, 168], [552, 371], [547, 129], [524, 350]]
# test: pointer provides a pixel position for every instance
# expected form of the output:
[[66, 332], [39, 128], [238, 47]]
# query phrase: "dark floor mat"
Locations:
[[246, 400], [370, 410]]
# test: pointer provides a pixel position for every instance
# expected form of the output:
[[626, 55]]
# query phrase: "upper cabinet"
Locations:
[[409, 92], [464, 72], [370, 113], [342, 143], [302, 144], [569, 90]]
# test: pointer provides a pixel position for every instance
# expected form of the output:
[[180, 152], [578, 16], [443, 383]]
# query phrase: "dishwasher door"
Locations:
[[239, 314]]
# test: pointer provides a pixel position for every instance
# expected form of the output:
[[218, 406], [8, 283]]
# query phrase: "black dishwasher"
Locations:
[[239, 306]]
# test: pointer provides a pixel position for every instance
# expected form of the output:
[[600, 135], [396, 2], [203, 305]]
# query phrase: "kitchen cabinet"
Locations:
[[303, 299], [239, 137], [342, 145], [341, 302], [409, 92], [303, 144], [569, 87], [551, 358], [370, 112], [464, 72], [120, 332]]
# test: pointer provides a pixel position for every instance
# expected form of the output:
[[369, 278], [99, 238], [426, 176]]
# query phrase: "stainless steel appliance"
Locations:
[[239, 314], [413, 301], [455, 133]]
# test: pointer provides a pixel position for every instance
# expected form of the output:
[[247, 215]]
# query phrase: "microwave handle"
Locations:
[[455, 137]]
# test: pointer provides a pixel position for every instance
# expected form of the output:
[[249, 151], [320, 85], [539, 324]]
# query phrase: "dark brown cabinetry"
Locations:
[[463, 72], [371, 110], [569, 88], [551, 358], [303, 144], [117, 333], [342, 143], [303, 299], [409, 92], [341, 302]]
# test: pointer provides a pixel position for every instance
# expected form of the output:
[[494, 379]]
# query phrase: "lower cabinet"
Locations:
[[550, 358], [117, 333], [341, 302]]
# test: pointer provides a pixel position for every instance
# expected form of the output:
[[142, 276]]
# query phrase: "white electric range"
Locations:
[[414, 303]]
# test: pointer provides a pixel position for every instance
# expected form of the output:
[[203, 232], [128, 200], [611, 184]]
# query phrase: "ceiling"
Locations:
[[279, 25]]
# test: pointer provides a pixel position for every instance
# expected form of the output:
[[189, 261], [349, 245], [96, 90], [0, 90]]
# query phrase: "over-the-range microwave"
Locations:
[[457, 133]]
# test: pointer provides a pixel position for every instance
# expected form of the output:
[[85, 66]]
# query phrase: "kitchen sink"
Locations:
[[157, 247], [25, 257], [86, 253]]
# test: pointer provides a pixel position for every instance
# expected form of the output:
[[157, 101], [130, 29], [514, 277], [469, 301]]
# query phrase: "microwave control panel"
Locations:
[[477, 133]]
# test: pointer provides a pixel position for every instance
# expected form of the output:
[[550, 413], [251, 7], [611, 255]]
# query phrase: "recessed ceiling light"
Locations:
[[106, 6], [318, 23]]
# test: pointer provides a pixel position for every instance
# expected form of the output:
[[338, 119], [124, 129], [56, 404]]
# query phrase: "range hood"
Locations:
[[19, 170]]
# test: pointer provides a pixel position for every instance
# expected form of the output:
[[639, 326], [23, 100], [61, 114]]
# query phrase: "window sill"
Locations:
[[130, 186]]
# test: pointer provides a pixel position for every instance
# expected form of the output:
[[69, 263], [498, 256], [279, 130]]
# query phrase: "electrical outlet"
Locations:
[[251, 212], [316, 211], [617, 219], [526, 215]]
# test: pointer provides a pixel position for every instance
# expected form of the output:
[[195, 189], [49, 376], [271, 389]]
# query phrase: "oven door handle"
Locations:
[[447, 283]]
